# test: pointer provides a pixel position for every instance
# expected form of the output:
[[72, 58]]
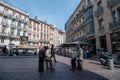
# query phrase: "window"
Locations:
[[18, 33], [2, 40], [101, 24], [4, 20], [19, 24], [99, 4], [4, 29], [84, 31], [12, 31], [24, 34], [5, 11], [13, 23], [14, 15], [25, 27], [118, 13], [114, 15]]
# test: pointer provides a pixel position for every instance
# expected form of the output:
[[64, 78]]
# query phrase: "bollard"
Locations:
[[110, 64]]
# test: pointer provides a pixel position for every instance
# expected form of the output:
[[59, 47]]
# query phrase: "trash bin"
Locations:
[[110, 64]]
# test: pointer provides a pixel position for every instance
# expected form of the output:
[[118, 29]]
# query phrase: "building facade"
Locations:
[[18, 29], [61, 38], [96, 22], [13, 24]]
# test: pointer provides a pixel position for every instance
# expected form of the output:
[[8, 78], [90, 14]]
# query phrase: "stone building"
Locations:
[[13, 24], [19, 30], [95, 22]]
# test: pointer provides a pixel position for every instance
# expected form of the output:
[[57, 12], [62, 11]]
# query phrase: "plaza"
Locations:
[[26, 68]]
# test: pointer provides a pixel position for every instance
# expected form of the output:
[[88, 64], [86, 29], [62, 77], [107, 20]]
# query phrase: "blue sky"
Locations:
[[55, 12]]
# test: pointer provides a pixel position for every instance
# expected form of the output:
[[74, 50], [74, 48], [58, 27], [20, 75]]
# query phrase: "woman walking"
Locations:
[[53, 53]]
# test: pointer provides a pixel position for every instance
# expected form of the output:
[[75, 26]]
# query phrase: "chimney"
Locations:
[[36, 17]]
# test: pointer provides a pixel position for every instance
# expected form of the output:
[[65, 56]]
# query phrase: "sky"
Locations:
[[55, 12]]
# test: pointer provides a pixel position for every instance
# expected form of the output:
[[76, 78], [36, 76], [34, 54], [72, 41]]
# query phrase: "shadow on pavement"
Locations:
[[94, 58], [95, 63], [61, 72]]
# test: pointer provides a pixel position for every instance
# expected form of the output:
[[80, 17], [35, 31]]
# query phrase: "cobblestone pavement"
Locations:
[[26, 68]]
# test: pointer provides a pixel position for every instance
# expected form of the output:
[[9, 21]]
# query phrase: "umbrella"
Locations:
[[78, 43]]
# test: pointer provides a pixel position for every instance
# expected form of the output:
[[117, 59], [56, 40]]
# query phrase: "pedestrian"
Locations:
[[73, 59], [79, 57], [52, 52], [42, 57], [5, 50], [16, 52], [48, 63]]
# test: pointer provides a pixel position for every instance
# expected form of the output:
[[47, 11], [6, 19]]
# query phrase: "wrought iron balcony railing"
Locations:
[[33, 40], [25, 21], [89, 5], [4, 22], [114, 24], [4, 34], [13, 26], [111, 2], [5, 13], [99, 11]]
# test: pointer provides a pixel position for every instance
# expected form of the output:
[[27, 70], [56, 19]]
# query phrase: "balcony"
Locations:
[[5, 13], [81, 25], [19, 18], [4, 22], [99, 11], [80, 38], [34, 33], [33, 40], [13, 16], [88, 5], [25, 28], [111, 2], [46, 41], [19, 27], [13, 36], [81, 12], [4, 34], [89, 18], [25, 21], [1, 12], [17, 36], [101, 28], [114, 24], [30, 25], [13, 26]]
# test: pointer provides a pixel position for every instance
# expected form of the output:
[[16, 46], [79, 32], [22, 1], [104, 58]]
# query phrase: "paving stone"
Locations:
[[27, 69]]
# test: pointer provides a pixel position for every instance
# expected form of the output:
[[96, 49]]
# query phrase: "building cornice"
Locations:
[[13, 8], [74, 12]]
